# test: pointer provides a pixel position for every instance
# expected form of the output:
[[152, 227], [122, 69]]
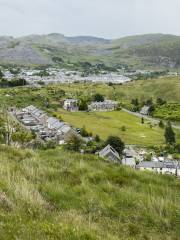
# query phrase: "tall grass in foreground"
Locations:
[[59, 195]]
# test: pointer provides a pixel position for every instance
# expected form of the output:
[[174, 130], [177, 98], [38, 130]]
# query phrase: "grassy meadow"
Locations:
[[54, 194], [111, 123]]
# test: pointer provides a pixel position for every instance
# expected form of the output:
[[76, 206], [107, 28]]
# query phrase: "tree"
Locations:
[[1, 74], [22, 137], [84, 132], [161, 124], [160, 101], [74, 144], [149, 102], [97, 138], [98, 97], [83, 106], [116, 143], [135, 102], [169, 134]]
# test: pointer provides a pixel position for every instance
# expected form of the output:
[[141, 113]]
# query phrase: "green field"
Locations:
[[56, 195], [110, 123]]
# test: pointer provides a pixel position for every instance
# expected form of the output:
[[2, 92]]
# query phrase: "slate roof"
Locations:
[[108, 149], [51, 120], [128, 153], [147, 164], [29, 108]]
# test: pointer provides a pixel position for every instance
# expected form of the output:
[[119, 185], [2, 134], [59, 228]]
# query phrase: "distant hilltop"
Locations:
[[150, 50]]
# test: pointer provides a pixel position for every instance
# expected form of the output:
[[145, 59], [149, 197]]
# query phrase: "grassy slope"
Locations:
[[57, 195], [167, 88]]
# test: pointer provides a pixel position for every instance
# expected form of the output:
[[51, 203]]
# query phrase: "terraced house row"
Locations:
[[46, 127]]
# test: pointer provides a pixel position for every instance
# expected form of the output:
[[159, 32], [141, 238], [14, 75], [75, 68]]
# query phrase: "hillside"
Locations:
[[151, 50], [58, 195], [135, 133]]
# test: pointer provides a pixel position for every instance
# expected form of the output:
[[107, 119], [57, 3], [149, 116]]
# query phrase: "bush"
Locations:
[[84, 132], [97, 138], [83, 106], [98, 97], [74, 144], [123, 128]]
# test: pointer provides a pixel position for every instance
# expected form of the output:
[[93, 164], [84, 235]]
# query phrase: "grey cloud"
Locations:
[[105, 18]]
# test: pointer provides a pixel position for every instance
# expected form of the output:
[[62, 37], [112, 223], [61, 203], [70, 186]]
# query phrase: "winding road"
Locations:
[[156, 121]]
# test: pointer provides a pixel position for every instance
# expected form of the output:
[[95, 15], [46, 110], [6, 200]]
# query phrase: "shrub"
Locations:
[[74, 144]]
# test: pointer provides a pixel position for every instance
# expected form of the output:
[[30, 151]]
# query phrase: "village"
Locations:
[[49, 128], [54, 76]]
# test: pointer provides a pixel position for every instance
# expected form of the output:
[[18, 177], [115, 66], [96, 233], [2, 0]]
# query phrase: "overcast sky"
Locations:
[[103, 18]]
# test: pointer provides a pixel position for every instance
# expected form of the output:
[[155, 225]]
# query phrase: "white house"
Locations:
[[71, 105], [128, 158], [150, 166], [142, 154], [145, 110], [178, 170], [169, 167]]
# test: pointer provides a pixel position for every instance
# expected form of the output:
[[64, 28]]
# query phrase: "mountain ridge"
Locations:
[[162, 50]]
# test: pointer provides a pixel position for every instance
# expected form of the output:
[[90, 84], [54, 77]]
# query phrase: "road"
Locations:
[[156, 121]]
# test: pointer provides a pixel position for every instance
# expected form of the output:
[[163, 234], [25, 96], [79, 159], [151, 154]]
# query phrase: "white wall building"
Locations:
[[71, 105]]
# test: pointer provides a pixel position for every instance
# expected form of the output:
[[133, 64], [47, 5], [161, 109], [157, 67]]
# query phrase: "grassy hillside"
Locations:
[[58, 195], [167, 88]]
